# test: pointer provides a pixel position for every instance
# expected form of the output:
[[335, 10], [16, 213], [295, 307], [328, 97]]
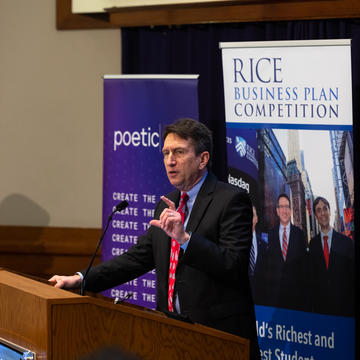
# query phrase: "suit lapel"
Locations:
[[291, 252], [333, 249], [203, 199], [318, 249], [276, 247]]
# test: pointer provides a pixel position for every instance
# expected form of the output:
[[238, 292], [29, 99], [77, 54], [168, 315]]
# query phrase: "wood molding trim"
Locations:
[[66, 20], [45, 251], [265, 11], [244, 11]]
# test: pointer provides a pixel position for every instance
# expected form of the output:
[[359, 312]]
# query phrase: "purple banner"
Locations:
[[135, 112]]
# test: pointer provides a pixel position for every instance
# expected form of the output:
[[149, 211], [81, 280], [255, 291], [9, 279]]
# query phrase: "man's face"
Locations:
[[322, 214], [183, 167], [283, 210]]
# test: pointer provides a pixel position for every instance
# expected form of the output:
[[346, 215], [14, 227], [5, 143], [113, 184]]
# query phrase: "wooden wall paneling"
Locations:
[[44, 266], [44, 251]]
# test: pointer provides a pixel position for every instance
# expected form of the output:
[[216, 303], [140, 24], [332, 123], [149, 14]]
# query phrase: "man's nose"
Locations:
[[171, 159]]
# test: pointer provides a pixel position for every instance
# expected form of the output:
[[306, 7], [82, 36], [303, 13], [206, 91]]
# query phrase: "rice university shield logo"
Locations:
[[240, 146]]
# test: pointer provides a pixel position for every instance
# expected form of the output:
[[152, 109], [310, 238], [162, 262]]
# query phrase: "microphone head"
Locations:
[[121, 206]]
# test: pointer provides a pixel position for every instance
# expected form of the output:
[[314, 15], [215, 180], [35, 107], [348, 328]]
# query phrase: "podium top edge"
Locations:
[[33, 287]]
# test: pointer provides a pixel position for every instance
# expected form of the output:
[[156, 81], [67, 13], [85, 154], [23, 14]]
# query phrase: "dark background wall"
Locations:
[[194, 49]]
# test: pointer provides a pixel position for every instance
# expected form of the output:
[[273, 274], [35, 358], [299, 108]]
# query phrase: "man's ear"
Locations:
[[204, 159]]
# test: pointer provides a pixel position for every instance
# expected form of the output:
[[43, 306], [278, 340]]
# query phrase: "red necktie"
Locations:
[[174, 253], [326, 250], [284, 244]]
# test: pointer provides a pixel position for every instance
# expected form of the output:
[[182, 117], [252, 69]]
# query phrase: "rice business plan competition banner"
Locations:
[[290, 146], [136, 108]]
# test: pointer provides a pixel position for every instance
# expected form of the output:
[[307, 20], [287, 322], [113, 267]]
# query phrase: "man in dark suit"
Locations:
[[285, 263], [211, 278], [331, 266]]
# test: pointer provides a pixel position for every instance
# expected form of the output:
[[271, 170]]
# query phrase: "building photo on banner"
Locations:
[[289, 133]]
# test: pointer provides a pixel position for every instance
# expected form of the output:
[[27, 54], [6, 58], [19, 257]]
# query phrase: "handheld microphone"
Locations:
[[119, 207]]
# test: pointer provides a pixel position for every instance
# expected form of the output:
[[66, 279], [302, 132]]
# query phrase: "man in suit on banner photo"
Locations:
[[285, 266], [199, 242], [331, 266]]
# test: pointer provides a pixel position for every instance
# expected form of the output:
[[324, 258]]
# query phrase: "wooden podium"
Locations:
[[58, 324]]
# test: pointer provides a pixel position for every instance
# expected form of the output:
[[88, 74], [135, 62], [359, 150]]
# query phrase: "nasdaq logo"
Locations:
[[240, 146]]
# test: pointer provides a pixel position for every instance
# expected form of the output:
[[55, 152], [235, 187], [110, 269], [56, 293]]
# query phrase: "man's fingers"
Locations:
[[155, 223], [163, 222], [166, 220], [57, 281], [59, 284], [54, 279], [168, 202], [169, 217]]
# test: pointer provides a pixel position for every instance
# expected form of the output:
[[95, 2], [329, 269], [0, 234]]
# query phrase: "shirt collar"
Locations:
[[329, 234], [196, 188], [287, 227]]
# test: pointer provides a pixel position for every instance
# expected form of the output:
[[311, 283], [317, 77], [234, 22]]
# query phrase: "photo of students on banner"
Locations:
[[331, 266], [284, 267], [295, 267]]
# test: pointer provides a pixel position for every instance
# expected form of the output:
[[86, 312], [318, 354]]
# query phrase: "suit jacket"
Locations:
[[257, 278], [212, 276], [285, 281], [332, 290]]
